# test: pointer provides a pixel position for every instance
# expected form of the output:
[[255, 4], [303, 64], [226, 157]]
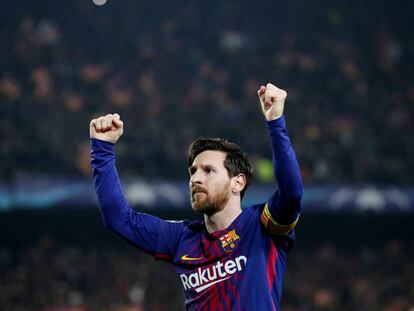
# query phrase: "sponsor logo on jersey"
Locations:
[[203, 278], [228, 241]]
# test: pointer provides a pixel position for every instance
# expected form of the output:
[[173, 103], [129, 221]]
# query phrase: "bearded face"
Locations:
[[209, 202], [209, 182]]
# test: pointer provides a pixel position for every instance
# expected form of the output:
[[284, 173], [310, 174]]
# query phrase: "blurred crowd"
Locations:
[[176, 70], [329, 277], [48, 277]]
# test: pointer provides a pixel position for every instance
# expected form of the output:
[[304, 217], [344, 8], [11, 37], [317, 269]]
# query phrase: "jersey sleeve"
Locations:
[[154, 236], [281, 212]]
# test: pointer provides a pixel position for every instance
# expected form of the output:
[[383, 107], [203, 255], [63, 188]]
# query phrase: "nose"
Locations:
[[195, 179]]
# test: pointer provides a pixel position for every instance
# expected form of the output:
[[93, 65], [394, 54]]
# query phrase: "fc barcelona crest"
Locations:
[[228, 241]]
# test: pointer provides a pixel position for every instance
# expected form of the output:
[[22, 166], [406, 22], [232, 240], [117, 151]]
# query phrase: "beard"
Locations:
[[211, 203]]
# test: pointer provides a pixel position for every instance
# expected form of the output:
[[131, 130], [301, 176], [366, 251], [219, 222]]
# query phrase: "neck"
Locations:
[[222, 219]]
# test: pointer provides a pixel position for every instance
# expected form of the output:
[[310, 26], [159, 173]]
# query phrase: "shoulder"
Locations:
[[190, 227], [255, 209], [252, 214], [179, 227]]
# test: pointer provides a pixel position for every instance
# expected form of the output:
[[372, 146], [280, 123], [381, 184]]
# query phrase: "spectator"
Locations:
[[350, 92]]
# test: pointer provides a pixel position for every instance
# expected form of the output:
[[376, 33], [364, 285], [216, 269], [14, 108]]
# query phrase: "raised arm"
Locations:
[[282, 210], [151, 234]]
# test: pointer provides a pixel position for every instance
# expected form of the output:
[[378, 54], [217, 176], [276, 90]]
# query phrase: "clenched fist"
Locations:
[[272, 100], [108, 128]]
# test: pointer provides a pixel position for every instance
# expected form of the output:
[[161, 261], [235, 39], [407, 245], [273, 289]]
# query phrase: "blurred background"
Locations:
[[177, 70]]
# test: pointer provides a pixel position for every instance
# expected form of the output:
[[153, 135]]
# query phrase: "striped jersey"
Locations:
[[238, 268]]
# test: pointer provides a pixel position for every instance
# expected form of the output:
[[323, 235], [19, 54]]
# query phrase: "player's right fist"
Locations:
[[108, 128]]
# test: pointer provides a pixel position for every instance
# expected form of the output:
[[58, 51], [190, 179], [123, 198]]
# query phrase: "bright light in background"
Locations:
[[99, 2]]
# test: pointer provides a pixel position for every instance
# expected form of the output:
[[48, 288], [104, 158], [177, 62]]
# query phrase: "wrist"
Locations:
[[102, 145], [273, 118], [278, 122]]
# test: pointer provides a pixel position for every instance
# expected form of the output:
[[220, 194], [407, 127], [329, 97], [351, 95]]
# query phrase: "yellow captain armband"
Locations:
[[273, 227]]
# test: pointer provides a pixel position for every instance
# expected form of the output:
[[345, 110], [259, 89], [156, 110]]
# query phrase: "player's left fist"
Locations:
[[272, 99]]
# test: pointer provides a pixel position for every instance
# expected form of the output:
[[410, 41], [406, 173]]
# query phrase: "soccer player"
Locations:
[[235, 259]]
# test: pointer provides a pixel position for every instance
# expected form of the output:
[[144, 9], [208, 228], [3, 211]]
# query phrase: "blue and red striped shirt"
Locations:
[[238, 268]]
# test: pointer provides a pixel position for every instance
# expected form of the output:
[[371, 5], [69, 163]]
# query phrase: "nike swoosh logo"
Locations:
[[201, 288], [190, 258]]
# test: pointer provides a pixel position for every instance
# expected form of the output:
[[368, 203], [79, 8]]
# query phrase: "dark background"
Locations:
[[176, 70]]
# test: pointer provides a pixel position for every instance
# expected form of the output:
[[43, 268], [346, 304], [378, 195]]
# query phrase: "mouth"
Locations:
[[196, 191]]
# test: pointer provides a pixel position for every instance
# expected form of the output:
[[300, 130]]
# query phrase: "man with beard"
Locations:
[[235, 259]]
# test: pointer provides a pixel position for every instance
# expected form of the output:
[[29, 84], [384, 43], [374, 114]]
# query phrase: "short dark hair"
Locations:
[[236, 161]]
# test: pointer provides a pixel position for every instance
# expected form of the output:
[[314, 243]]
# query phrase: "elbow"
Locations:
[[107, 224], [298, 195], [110, 223], [114, 220]]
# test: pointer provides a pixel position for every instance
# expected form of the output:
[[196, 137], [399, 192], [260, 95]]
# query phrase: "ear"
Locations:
[[238, 183]]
